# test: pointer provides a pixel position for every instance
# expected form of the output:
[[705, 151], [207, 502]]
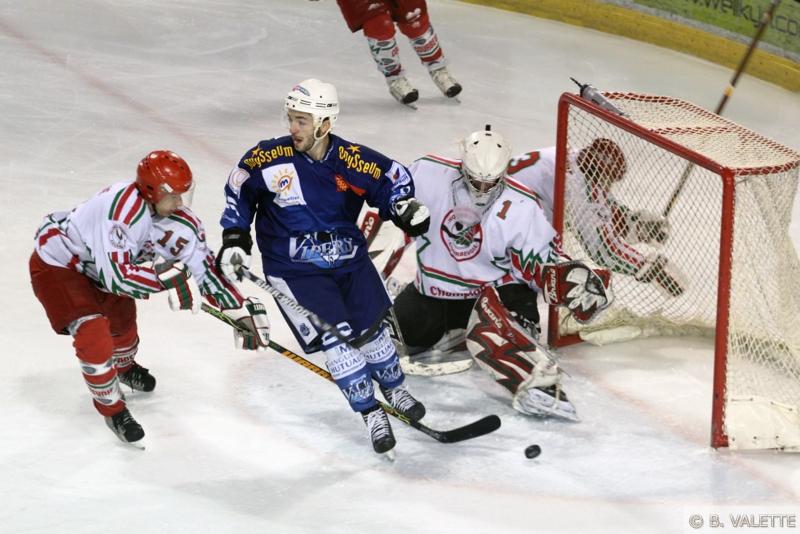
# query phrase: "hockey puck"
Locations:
[[532, 451]]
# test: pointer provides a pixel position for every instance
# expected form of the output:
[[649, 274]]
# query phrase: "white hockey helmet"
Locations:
[[485, 156], [318, 98]]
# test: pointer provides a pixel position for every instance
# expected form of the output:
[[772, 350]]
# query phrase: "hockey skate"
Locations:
[[380, 431], [448, 356], [138, 378], [125, 427], [544, 402], [402, 401], [446, 83], [402, 90]]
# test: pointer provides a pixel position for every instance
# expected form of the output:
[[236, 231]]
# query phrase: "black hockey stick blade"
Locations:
[[476, 429]]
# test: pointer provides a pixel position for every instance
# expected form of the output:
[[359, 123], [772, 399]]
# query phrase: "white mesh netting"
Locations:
[[670, 286]]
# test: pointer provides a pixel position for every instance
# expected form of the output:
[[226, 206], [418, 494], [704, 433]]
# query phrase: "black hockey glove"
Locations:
[[412, 216], [235, 252]]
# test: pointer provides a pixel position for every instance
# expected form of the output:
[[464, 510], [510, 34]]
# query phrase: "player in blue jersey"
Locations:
[[305, 192]]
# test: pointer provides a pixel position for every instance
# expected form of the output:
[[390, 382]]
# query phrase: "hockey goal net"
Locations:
[[728, 243]]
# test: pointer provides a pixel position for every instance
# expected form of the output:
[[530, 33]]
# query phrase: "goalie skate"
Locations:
[[448, 356], [544, 402]]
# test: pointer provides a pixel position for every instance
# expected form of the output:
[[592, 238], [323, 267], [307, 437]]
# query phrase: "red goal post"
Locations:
[[727, 243]]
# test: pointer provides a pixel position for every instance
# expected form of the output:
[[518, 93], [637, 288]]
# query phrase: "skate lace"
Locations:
[[378, 425], [401, 400], [135, 376]]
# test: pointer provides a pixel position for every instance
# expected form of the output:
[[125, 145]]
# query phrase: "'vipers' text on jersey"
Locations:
[[307, 208], [467, 248]]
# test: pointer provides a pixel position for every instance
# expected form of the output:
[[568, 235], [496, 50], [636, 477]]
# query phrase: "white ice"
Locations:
[[240, 442]]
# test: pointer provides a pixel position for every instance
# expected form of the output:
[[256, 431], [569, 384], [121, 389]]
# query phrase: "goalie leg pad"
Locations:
[[499, 344]]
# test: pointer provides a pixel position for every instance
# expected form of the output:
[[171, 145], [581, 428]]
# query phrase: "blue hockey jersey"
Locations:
[[305, 211]]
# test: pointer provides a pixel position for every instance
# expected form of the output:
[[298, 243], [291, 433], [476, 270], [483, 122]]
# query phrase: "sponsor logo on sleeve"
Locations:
[[118, 237], [351, 157], [259, 156], [236, 178]]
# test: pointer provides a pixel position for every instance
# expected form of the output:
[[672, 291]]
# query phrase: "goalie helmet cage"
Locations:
[[728, 236]]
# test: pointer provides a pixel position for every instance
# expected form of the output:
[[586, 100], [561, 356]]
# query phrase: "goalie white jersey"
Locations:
[[467, 247], [112, 237]]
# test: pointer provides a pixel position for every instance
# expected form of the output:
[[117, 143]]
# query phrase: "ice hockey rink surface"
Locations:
[[245, 443]]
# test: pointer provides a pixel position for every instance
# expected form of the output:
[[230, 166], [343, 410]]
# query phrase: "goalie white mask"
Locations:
[[484, 159], [319, 99]]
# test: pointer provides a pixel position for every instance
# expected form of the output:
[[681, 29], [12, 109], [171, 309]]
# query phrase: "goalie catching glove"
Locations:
[[584, 291], [235, 252], [174, 277], [253, 330]]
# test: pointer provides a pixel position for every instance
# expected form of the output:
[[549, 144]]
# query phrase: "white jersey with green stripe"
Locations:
[[600, 222], [113, 237], [467, 247]]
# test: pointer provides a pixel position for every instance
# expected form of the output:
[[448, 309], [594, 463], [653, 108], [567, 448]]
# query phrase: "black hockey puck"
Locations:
[[532, 451]]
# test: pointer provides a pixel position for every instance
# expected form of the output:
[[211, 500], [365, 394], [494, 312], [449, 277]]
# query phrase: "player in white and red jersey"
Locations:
[[377, 18], [90, 264], [488, 249], [606, 228]]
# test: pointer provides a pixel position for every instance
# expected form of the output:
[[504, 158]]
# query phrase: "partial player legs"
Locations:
[[425, 42], [380, 35]]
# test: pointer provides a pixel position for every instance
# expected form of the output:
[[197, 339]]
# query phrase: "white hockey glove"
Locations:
[[656, 269], [252, 317], [175, 279], [648, 228], [586, 292], [413, 216], [235, 252]]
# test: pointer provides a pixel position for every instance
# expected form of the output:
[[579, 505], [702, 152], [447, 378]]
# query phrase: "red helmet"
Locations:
[[162, 172], [603, 160]]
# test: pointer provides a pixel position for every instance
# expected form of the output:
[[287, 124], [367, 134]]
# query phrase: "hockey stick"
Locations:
[[762, 26], [370, 225], [478, 428], [395, 257]]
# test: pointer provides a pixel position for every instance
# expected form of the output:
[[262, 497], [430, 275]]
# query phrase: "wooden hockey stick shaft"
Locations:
[[483, 426], [762, 26]]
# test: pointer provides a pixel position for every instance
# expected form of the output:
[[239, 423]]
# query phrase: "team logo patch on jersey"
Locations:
[[462, 239], [236, 178], [117, 237], [282, 180]]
